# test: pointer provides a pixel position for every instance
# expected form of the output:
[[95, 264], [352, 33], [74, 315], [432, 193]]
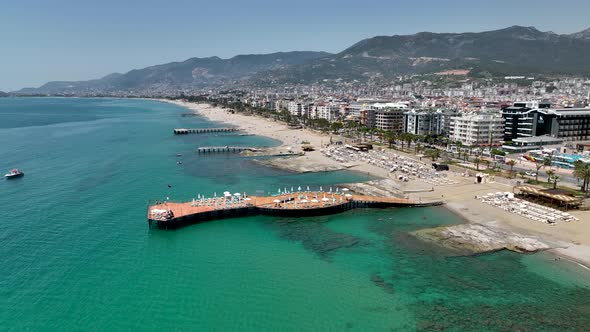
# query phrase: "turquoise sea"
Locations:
[[76, 253]]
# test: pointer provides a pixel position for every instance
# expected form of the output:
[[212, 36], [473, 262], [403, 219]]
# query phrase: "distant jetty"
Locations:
[[225, 149], [185, 131], [290, 204]]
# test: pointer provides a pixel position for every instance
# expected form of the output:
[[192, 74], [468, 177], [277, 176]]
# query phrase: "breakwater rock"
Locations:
[[379, 188], [470, 239], [301, 164]]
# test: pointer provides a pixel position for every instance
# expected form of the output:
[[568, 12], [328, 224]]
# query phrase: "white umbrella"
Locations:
[[276, 201], [303, 201], [348, 195], [315, 201], [247, 199], [237, 194], [345, 189], [227, 195], [325, 199]]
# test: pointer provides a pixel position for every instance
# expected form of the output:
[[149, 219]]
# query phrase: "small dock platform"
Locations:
[[298, 204], [225, 149], [185, 131]]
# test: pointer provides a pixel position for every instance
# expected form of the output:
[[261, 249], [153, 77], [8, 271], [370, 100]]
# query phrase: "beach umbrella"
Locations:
[[276, 201], [303, 201], [345, 189], [226, 192], [325, 199], [315, 201], [348, 195], [237, 194]]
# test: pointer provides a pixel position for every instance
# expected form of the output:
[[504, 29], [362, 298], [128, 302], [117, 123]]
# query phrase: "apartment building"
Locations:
[[478, 129], [389, 119], [423, 122]]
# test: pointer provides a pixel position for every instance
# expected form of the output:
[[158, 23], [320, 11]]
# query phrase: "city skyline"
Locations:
[[71, 41]]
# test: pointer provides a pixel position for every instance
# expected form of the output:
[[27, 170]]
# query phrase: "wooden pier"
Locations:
[[185, 131], [224, 149], [299, 204]]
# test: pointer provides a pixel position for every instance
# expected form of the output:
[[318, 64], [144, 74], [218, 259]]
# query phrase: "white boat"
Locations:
[[14, 173]]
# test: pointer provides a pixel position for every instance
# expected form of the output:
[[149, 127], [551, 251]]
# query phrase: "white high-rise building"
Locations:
[[478, 129]]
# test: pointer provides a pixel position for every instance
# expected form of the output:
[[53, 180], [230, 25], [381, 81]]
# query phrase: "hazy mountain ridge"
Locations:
[[192, 72], [516, 50]]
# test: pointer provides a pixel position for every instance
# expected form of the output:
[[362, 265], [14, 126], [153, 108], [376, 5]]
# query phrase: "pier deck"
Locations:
[[300, 204], [185, 131], [225, 149]]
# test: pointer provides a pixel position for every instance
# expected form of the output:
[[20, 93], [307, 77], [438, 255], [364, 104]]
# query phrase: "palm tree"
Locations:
[[582, 172], [550, 173], [465, 155], [433, 153], [410, 138], [402, 138], [477, 161], [390, 136], [459, 145], [555, 180], [511, 163], [539, 165], [418, 148]]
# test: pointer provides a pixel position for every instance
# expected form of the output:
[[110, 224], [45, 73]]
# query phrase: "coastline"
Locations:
[[568, 240]]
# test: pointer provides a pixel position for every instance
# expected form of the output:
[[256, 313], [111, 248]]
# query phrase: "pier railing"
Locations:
[[185, 131]]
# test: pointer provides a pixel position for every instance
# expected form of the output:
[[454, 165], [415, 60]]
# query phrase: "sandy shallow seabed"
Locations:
[[573, 237]]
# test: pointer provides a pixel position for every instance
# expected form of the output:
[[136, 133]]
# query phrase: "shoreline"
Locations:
[[573, 238]]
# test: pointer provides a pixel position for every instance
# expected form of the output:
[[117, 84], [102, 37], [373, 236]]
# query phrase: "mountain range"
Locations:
[[516, 50]]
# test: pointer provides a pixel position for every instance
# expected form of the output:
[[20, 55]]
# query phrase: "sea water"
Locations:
[[76, 252]]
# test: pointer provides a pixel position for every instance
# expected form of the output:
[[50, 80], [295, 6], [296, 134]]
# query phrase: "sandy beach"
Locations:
[[573, 237]]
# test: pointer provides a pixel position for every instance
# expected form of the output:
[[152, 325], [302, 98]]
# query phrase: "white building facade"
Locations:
[[478, 129]]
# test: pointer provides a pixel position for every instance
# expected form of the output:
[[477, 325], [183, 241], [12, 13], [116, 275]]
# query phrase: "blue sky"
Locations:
[[76, 40]]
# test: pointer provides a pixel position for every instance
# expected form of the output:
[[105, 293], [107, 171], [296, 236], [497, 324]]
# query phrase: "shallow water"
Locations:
[[77, 254]]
